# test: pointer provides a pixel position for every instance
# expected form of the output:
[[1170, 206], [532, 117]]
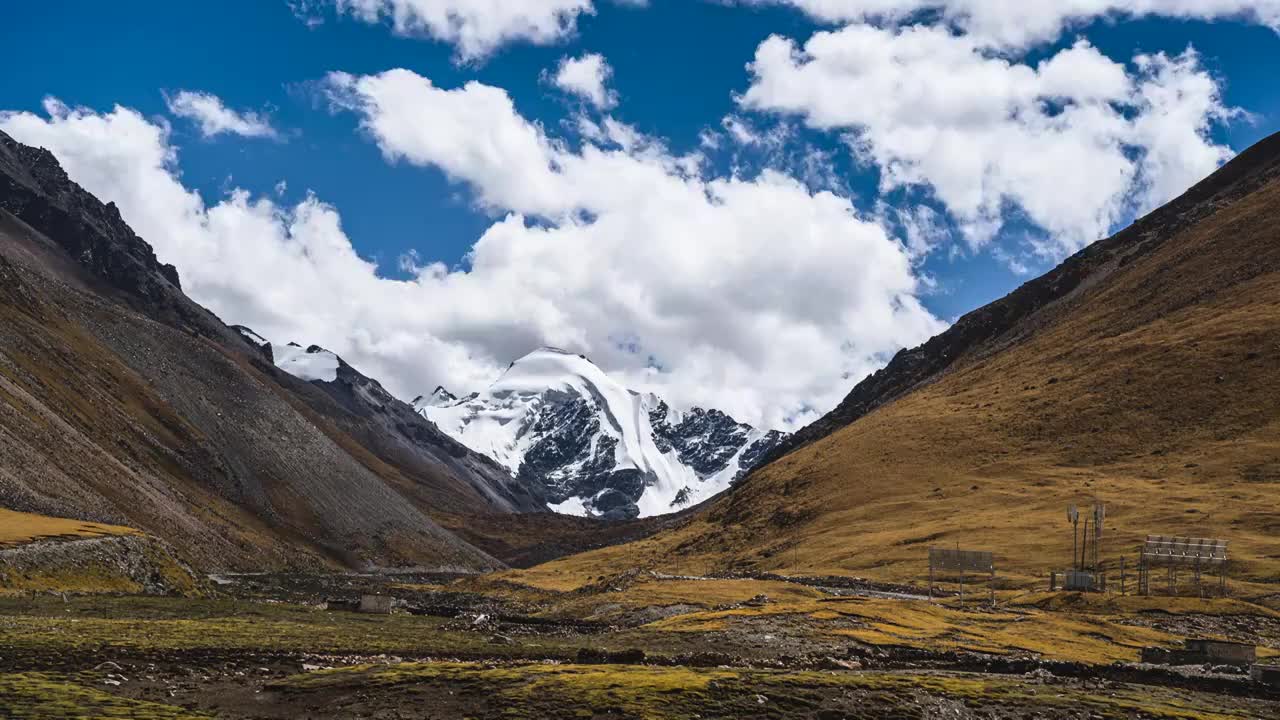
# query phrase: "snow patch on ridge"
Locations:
[[573, 506], [252, 336], [311, 364]]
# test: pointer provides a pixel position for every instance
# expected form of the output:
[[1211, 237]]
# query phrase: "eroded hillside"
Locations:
[[124, 402]]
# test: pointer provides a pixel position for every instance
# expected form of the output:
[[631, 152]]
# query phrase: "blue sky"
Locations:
[[678, 67]]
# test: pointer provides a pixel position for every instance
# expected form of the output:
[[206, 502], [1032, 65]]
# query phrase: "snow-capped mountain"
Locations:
[[557, 421]]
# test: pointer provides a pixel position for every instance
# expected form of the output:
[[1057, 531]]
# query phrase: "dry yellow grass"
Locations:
[[1155, 390], [1094, 639], [1094, 629], [18, 528]]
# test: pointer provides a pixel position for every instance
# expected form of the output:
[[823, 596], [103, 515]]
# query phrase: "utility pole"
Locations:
[[1073, 516], [1099, 514], [1084, 545]]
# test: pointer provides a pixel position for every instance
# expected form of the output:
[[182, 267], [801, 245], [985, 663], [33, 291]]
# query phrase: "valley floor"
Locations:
[[630, 646]]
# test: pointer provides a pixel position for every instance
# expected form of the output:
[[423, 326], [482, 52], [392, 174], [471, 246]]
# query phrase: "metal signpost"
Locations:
[[942, 560], [1176, 552]]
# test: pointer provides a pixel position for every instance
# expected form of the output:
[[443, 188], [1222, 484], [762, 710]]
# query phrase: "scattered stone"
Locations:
[[830, 663], [1041, 675]]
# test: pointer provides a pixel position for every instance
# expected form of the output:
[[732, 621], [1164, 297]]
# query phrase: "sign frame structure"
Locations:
[[1174, 552], [948, 560]]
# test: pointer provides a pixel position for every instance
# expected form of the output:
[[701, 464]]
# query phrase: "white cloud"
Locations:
[[758, 296], [588, 78], [1018, 23], [215, 118], [1075, 142], [475, 27]]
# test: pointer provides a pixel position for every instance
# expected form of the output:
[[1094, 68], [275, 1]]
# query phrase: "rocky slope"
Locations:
[[397, 433], [1143, 373], [122, 401], [595, 448], [120, 564]]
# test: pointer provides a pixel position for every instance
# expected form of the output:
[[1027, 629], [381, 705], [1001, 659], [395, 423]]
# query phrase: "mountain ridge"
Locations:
[[911, 367], [1143, 374], [123, 401]]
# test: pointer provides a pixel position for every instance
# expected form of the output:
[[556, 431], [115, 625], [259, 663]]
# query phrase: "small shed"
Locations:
[[1204, 652], [1266, 675], [376, 604], [1222, 652]]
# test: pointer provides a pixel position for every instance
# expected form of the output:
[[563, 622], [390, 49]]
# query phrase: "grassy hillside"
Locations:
[[1153, 386], [18, 528], [41, 553]]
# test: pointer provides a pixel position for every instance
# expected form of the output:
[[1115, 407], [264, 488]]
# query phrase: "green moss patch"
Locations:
[[35, 696]]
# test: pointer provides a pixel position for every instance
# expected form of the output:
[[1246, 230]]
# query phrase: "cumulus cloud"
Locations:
[[215, 118], [758, 296], [1019, 23], [476, 29], [1075, 142], [588, 78]]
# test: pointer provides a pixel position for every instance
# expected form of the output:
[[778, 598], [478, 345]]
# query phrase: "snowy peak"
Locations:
[[438, 398], [595, 447], [549, 368]]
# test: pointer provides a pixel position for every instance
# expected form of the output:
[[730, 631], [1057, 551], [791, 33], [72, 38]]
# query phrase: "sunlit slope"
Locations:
[[1153, 386], [17, 528]]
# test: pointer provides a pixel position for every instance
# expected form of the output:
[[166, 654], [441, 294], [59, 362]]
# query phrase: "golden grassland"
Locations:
[[1089, 631], [1155, 391], [652, 693], [1092, 639], [642, 692], [98, 624], [1093, 629], [533, 675], [18, 528]]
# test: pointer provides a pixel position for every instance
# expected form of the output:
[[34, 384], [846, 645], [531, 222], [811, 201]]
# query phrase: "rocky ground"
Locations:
[[637, 646]]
